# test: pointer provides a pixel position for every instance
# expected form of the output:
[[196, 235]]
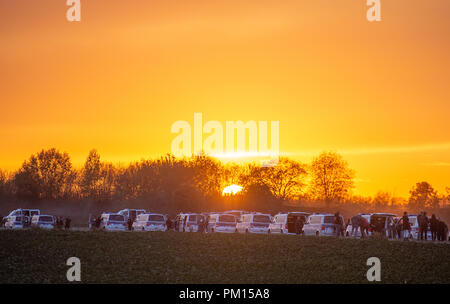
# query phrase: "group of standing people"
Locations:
[[438, 228], [397, 228], [95, 222], [175, 224], [61, 223]]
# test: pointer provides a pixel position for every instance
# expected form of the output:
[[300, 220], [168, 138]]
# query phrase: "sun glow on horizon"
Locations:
[[232, 190]]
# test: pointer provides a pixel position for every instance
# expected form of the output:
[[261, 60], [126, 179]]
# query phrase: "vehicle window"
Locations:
[[18, 218], [156, 218], [413, 220], [48, 219], [378, 220], [261, 219], [315, 220], [116, 218], [34, 213], [227, 219], [280, 219], [192, 218], [329, 219]]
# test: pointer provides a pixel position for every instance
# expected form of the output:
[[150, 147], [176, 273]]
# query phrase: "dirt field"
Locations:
[[36, 256]]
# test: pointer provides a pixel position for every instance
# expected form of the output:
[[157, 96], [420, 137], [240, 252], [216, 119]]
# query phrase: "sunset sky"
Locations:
[[378, 93]]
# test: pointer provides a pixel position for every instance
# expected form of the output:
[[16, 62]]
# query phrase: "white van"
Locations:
[[113, 222], [284, 223], [321, 224], [188, 222], [22, 212], [254, 223], [43, 221], [413, 221], [14, 222], [131, 213], [236, 213], [225, 223], [150, 222], [381, 222]]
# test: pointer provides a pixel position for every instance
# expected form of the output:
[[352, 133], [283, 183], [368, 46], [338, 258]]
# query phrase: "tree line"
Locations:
[[197, 182]]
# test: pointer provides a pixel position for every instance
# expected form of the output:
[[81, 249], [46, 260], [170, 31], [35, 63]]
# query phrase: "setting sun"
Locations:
[[232, 190]]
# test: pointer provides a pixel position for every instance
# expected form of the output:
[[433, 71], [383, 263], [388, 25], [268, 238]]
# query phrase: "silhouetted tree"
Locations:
[[208, 174], [332, 179], [91, 175], [422, 195], [285, 180], [258, 197], [46, 175], [382, 200], [5, 189]]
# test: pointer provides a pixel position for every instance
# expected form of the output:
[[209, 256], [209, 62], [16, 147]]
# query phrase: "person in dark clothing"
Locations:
[[97, 222], [339, 224], [356, 223], [130, 224], [168, 223], [445, 236], [176, 224], [364, 227], [27, 221], [299, 225], [302, 224], [423, 226], [207, 223], [378, 227], [442, 231], [406, 226], [201, 224], [434, 224], [398, 228], [67, 223]]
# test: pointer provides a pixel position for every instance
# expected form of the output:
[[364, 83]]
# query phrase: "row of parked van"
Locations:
[[254, 222], [236, 221], [140, 220], [23, 218], [222, 222], [233, 221]]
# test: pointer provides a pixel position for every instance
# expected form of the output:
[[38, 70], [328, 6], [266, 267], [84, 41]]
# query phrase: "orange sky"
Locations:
[[376, 92]]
